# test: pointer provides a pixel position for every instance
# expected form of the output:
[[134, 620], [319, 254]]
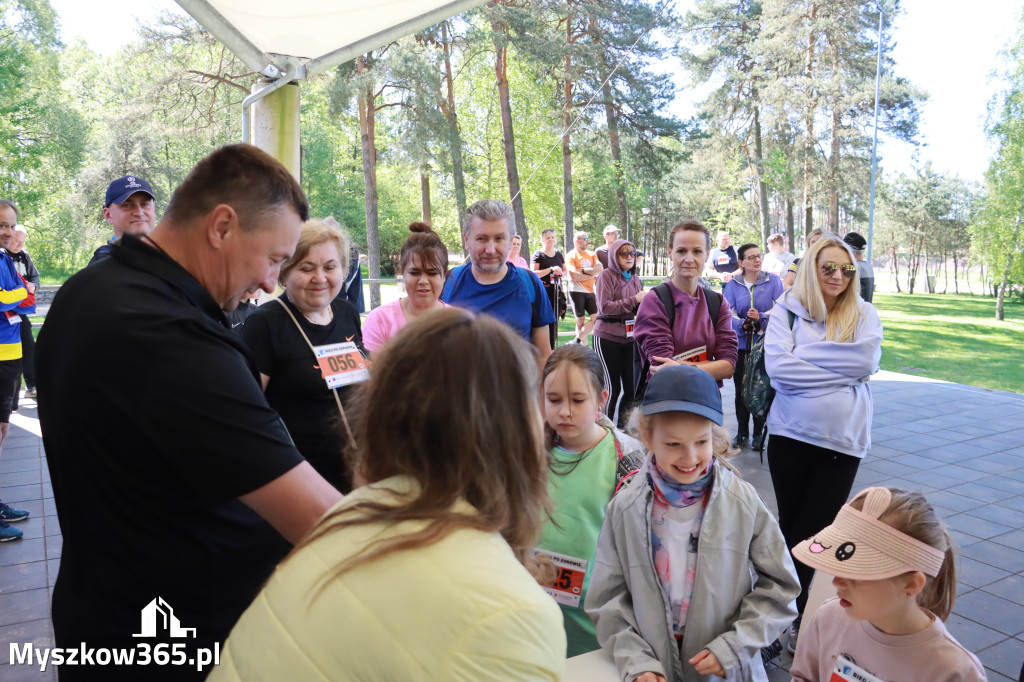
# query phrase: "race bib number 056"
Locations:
[[341, 364]]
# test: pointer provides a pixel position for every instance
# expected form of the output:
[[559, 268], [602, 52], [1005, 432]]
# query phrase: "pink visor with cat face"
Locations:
[[858, 546]]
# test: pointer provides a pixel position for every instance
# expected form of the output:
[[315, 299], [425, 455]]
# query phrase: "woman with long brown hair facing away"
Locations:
[[418, 573], [822, 346]]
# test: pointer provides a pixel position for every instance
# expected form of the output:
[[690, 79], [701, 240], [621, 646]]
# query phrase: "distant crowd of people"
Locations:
[[322, 497]]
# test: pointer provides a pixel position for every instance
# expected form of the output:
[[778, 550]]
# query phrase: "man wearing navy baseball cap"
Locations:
[[129, 207]]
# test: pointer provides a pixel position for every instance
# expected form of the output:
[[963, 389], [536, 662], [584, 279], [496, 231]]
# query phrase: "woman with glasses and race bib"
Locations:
[[308, 348], [820, 421]]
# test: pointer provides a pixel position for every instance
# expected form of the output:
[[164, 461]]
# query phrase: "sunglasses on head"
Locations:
[[829, 268], [627, 254]]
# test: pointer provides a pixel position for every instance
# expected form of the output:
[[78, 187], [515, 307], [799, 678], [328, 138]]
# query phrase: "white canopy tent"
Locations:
[[288, 43]]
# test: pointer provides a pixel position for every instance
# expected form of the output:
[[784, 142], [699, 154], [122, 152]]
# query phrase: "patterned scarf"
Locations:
[[678, 494]]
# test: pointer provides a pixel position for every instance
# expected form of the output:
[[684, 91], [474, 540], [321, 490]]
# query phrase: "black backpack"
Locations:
[[758, 393], [664, 292]]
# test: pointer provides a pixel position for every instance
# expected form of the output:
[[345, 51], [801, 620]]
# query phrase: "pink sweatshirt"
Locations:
[[692, 328], [931, 655], [382, 323]]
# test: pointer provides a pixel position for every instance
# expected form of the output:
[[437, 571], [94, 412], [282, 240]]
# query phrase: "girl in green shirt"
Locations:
[[588, 458]]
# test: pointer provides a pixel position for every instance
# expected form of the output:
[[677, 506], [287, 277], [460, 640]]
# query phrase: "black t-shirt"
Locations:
[[154, 424], [296, 388], [238, 316], [545, 261]]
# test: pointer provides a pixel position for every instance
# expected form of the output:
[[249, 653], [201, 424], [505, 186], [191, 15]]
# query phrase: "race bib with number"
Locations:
[[723, 259], [341, 364], [630, 324], [846, 670], [570, 572], [696, 355]]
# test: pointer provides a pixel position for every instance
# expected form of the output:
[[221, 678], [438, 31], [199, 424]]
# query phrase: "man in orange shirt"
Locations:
[[583, 271]]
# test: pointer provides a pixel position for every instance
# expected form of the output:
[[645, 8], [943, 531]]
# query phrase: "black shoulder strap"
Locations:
[[714, 300], [665, 294]]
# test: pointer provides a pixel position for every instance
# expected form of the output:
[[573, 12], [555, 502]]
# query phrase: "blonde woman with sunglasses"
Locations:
[[823, 347]]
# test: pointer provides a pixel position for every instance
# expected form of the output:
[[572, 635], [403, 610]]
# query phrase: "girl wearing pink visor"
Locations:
[[895, 575]]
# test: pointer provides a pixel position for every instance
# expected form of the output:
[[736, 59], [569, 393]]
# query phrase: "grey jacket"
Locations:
[[743, 594]]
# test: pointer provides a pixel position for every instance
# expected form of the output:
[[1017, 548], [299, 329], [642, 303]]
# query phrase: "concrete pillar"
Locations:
[[275, 125]]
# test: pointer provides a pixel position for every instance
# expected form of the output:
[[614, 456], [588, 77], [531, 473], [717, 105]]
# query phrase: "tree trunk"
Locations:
[[454, 135], [1011, 253], [895, 260], [367, 123], [809, 106], [762, 187], [425, 193], [566, 150], [833, 161], [508, 137], [790, 226], [613, 134]]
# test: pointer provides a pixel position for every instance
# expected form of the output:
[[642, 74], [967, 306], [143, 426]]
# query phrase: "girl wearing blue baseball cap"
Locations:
[[672, 592]]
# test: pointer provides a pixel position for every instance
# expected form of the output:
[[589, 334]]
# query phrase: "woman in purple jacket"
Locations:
[[619, 292], [751, 298], [693, 338]]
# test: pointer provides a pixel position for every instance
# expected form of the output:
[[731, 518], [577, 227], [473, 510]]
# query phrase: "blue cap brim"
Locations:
[[682, 406]]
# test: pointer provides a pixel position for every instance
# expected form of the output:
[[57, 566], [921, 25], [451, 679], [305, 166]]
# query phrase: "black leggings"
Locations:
[[742, 415], [811, 485], [617, 360], [28, 360]]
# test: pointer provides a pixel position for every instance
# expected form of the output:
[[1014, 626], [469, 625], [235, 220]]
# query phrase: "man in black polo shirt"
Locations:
[[163, 452]]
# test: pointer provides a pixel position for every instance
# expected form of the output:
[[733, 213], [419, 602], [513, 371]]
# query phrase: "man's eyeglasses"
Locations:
[[752, 258], [828, 269], [627, 254]]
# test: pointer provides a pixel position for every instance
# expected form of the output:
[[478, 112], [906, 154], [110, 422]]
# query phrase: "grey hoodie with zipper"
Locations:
[[744, 590]]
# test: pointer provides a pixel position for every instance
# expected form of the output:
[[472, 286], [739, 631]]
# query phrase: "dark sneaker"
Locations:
[[771, 652], [794, 632], [31, 393], [8, 532], [739, 441], [758, 443], [12, 515]]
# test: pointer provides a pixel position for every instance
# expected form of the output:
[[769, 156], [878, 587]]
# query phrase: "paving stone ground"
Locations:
[[961, 446]]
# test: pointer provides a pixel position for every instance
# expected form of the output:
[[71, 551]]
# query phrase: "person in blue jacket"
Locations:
[[751, 297], [12, 293]]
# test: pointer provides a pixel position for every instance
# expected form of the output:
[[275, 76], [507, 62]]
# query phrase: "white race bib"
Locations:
[[567, 587], [846, 670], [341, 364]]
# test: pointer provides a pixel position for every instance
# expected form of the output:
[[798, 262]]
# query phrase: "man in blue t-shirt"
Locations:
[[491, 285], [722, 263]]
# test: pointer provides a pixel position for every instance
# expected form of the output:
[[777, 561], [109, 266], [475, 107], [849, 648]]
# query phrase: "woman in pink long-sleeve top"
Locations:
[[694, 337], [619, 292]]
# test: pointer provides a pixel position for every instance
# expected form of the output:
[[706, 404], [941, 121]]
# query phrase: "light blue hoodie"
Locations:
[[822, 395]]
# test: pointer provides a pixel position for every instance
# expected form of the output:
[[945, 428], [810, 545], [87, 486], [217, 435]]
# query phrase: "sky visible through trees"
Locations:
[[753, 116]]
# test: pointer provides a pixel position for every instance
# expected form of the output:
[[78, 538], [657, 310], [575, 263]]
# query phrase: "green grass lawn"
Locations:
[[955, 338]]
